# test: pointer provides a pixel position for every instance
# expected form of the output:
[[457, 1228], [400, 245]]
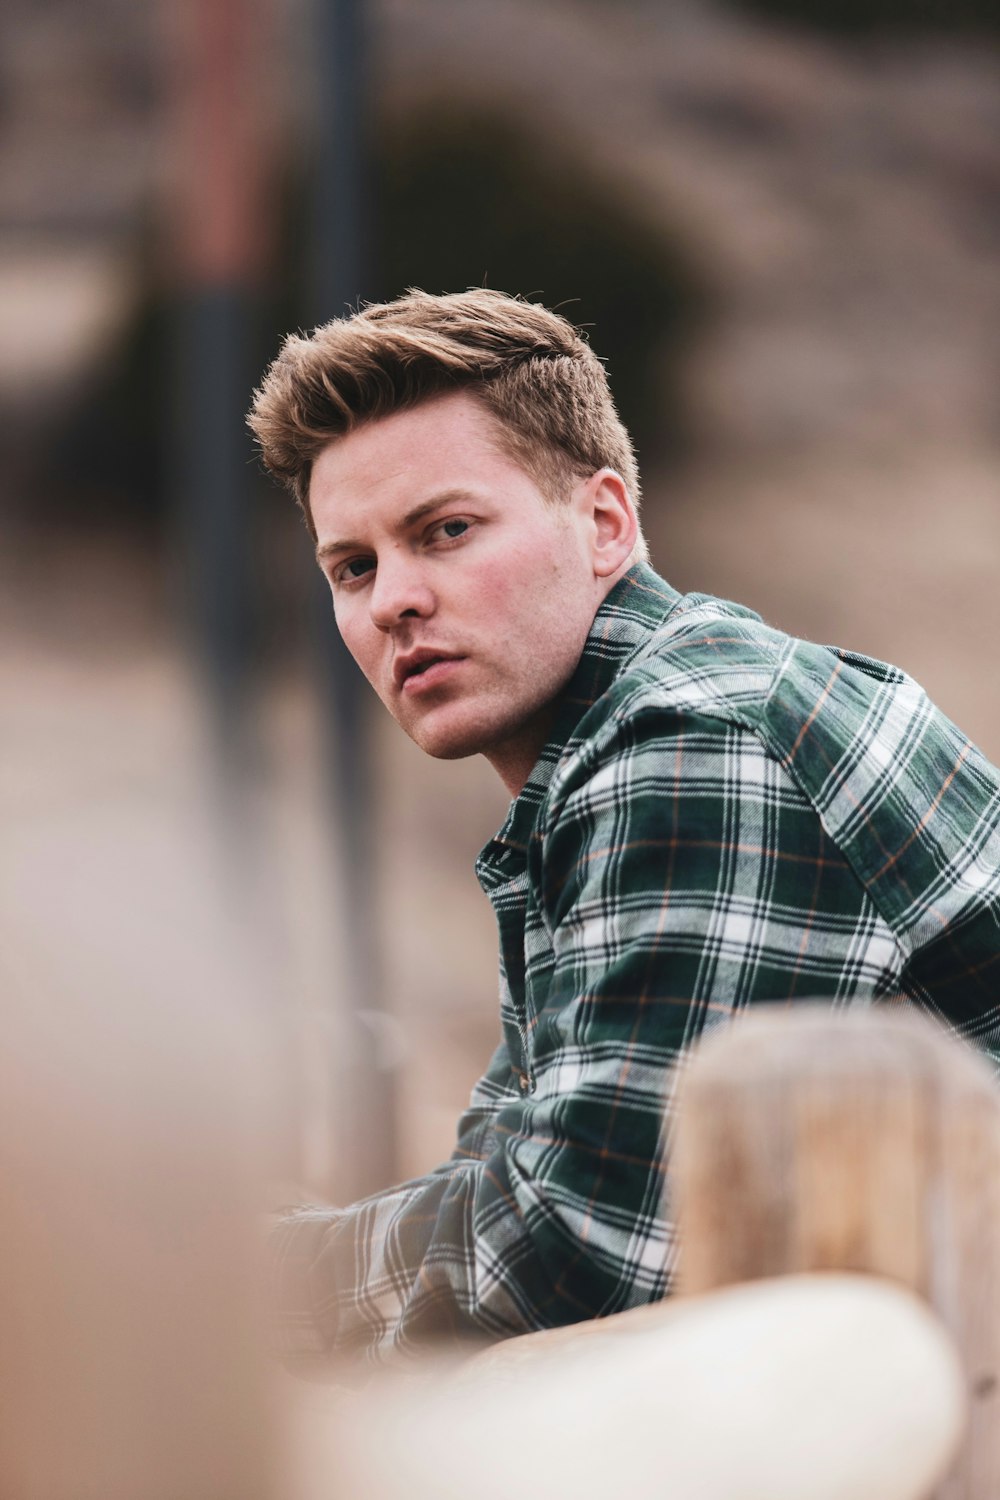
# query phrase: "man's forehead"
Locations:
[[454, 421], [412, 460]]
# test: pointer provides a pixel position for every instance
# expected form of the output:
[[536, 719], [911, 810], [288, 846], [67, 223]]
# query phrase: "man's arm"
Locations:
[[336, 1284], [677, 875]]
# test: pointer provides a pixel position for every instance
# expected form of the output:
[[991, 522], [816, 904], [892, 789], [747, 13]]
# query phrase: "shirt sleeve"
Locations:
[[676, 876]]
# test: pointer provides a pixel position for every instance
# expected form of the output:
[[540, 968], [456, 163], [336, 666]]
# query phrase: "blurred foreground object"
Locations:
[[870, 1142], [133, 1118], [831, 1387]]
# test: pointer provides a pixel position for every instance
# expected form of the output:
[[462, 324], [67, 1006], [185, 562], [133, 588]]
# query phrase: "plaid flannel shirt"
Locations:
[[724, 815]]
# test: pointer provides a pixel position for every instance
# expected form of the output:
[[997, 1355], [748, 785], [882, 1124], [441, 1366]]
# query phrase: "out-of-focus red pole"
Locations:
[[218, 236], [223, 140]]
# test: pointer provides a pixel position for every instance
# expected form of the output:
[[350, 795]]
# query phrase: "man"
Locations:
[[706, 813]]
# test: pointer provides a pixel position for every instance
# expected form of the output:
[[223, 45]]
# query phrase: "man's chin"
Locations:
[[511, 755], [454, 737], [451, 752], [447, 743]]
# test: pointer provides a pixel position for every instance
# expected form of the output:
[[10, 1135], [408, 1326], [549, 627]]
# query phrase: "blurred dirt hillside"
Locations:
[[824, 361]]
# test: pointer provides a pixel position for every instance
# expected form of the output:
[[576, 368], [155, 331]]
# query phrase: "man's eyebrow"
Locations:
[[412, 517], [327, 549]]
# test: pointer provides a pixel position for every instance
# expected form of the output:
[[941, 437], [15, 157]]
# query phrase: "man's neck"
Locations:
[[515, 759]]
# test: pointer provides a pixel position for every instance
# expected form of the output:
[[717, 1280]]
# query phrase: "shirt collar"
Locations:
[[638, 603]]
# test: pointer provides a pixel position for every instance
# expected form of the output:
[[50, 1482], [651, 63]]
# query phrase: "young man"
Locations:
[[706, 813]]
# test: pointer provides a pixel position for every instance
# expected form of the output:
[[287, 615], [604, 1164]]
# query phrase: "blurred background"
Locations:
[[779, 222]]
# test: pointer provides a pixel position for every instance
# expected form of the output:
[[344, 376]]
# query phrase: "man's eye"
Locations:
[[355, 567], [452, 528]]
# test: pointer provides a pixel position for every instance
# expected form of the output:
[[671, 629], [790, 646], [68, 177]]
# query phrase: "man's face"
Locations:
[[463, 596]]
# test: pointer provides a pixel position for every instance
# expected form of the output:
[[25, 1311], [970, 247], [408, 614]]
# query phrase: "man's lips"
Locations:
[[422, 669]]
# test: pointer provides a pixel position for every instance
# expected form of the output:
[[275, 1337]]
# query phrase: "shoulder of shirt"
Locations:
[[719, 663], [706, 656]]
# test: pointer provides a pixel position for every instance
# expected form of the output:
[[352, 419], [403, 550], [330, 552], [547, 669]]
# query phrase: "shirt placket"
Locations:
[[506, 878]]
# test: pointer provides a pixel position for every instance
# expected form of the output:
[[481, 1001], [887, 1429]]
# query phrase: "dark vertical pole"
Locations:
[[210, 480], [342, 216], [340, 278]]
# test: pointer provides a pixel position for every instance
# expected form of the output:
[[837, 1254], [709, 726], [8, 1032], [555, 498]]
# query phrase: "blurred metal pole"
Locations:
[[339, 277], [217, 60], [211, 464], [217, 233]]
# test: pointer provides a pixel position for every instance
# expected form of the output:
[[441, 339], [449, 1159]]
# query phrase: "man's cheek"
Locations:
[[495, 590]]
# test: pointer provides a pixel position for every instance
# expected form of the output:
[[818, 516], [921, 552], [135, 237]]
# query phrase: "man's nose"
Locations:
[[399, 592]]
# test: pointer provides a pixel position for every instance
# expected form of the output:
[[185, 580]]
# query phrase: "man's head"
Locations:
[[468, 519], [528, 367]]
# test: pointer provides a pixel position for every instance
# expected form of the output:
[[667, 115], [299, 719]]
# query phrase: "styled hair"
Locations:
[[529, 367]]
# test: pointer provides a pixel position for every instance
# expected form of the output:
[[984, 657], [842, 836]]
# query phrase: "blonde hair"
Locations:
[[530, 368]]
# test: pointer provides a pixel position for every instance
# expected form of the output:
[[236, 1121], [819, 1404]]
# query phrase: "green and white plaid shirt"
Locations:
[[724, 815]]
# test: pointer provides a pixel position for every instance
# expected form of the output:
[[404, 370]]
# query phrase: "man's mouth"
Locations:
[[423, 670]]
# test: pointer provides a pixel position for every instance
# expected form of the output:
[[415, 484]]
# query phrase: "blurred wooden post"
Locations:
[[866, 1141]]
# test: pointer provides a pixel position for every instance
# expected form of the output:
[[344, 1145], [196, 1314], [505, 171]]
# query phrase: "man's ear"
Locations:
[[615, 523]]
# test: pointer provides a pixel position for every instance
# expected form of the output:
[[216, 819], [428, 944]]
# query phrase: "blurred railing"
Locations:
[[808, 1144], [843, 1169]]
